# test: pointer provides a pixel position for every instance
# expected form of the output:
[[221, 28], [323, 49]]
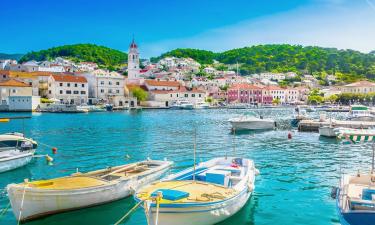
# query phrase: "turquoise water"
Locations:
[[295, 175]]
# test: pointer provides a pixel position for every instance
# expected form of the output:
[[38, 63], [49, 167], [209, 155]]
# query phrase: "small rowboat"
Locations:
[[207, 194], [35, 199]]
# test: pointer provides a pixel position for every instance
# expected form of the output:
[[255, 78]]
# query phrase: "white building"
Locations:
[[105, 87], [17, 96], [68, 89], [272, 76], [209, 70], [169, 97]]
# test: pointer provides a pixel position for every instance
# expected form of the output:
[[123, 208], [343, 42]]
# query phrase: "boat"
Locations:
[[252, 123], [15, 151], [355, 135], [34, 199], [327, 131], [360, 113], [207, 193], [201, 105], [355, 195], [109, 107], [182, 104], [60, 108], [91, 108]]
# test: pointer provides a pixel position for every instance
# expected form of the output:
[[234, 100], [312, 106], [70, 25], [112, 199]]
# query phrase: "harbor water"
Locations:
[[294, 185]]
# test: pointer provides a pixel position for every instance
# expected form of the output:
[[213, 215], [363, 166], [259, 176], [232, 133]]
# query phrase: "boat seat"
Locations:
[[170, 194], [367, 194]]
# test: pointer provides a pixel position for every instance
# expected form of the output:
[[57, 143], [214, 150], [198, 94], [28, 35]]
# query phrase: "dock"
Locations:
[[313, 125]]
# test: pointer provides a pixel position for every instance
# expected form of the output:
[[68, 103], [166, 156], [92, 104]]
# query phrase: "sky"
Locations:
[[162, 25]]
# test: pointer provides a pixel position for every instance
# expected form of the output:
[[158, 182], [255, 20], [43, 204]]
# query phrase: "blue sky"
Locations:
[[161, 25]]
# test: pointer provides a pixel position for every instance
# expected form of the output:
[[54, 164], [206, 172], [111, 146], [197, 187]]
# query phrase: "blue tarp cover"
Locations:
[[171, 195]]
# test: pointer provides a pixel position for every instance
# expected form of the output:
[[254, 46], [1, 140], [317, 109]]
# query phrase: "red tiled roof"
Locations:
[[69, 78], [274, 88], [13, 83], [162, 83], [244, 86]]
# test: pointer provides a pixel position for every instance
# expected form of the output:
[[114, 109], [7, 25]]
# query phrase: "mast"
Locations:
[[195, 149], [373, 156]]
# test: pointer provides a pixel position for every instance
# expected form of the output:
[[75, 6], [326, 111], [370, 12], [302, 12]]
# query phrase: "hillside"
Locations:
[[348, 65], [101, 55], [201, 56], [10, 56]]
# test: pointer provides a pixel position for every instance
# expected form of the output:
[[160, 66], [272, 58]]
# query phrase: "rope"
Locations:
[[157, 208], [23, 198], [4, 210], [129, 212]]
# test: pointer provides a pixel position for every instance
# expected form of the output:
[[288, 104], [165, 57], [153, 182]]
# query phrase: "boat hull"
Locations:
[[38, 203], [253, 125], [205, 214], [15, 162], [327, 132]]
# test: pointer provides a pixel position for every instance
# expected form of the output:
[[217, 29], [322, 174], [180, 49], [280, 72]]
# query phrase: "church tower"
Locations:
[[133, 61]]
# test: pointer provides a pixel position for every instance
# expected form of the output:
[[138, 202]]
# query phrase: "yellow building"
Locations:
[[361, 87]]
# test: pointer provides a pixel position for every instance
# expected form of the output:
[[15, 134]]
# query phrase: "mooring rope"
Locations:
[[4, 210], [21, 208], [129, 212]]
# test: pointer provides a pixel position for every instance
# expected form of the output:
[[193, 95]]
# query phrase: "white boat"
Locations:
[[35, 199], [60, 108], [91, 108], [355, 195], [327, 131], [355, 135], [360, 113], [182, 105], [201, 105], [15, 151], [252, 123], [206, 194]]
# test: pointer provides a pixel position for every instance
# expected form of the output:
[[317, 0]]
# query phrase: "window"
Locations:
[[14, 91], [83, 92], [4, 76], [117, 83], [68, 92], [110, 91], [110, 82], [193, 95], [101, 91], [117, 91], [68, 84], [61, 84], [61, 91], [83, 85], [49, 92], [171, 95], [200, 95], [186, 95], [102, 82], [76, 92], [75, 85]]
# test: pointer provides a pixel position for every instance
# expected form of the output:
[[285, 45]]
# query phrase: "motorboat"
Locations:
[[91, 108], [15, 151], [355, 194], [60, 108], [207, 193], [201, 105], [355, 135], [327, 131], [182, 104], [360, 113], [34, 199], [252, 123]]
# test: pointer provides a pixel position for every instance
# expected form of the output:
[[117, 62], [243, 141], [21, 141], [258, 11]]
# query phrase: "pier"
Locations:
[[313, 125]]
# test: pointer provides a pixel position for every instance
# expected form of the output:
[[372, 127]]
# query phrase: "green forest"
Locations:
[[347, 65], [103, 56]]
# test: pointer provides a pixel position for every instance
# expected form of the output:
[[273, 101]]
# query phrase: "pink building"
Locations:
[[248, 93]]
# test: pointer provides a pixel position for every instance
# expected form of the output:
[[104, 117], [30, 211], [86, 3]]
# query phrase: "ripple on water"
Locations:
[[294, 174]]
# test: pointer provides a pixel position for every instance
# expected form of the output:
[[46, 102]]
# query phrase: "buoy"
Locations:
[[289, 135], [127, 156], [54, 150]]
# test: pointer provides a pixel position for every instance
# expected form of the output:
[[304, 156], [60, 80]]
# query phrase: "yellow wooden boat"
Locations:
[[35, 199]]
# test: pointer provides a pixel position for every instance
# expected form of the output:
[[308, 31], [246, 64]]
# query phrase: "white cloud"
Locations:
[[332, 24]]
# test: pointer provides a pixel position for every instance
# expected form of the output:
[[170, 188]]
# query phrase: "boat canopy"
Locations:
[[355, 136]]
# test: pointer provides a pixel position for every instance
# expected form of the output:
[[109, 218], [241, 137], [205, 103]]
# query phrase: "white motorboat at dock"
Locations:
[[252, 123]]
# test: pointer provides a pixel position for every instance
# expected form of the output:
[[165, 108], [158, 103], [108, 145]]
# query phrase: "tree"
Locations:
[[140, 94], [276, 101], [332, 98], [315, 99]]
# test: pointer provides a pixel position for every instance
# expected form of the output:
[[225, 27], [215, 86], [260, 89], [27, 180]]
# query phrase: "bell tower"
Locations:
[[133, 61]]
